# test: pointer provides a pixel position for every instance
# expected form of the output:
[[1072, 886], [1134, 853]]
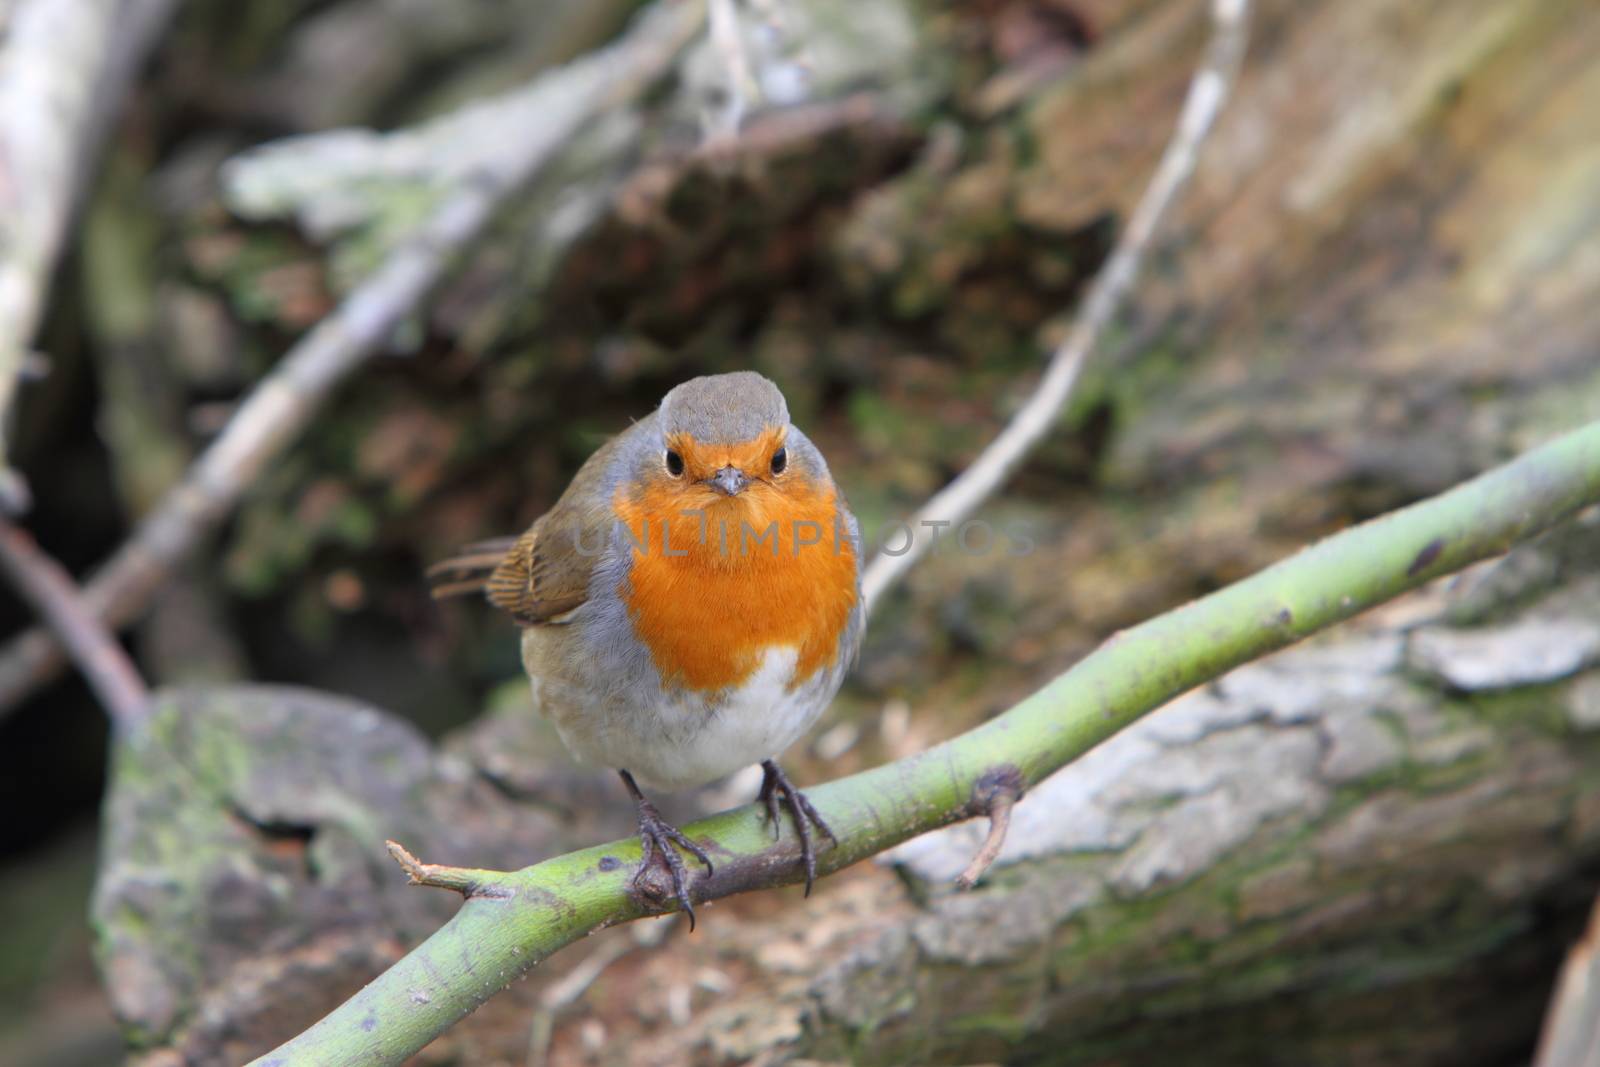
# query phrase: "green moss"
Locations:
[[1536, 707], [1005, 1027]]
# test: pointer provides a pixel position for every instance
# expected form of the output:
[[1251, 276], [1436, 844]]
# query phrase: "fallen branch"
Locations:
[[513, 920], [65, 70], [1209, 90], [283, 403], [47, 586], [50, 59]]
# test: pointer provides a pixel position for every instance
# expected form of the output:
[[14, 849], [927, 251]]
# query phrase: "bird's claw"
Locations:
[[774, 782], [657, 837]]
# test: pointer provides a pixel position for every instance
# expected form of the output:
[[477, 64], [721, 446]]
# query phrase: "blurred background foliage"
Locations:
[[1382, 282]]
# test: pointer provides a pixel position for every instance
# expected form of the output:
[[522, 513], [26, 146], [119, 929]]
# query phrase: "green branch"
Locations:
[[511, 921]]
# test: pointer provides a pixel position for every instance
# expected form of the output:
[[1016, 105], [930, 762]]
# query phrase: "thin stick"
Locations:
[[995, 795], [47, 586], [1209, 90], [285, 402], [999, 823]]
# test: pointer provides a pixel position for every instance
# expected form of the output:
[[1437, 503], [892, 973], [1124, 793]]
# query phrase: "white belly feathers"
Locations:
[[678, 740]]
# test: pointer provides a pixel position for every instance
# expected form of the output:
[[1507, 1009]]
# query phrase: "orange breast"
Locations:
[[710, 592]]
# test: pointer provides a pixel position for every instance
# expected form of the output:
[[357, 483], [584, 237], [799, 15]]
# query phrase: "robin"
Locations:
[[690, 604]]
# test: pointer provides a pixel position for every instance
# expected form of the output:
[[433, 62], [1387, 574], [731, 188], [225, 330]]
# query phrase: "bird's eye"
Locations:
[[674, 464], [780, 460]]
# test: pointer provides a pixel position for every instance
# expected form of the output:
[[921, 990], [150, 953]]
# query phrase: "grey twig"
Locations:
[[47, 586], [282, 404], [1209, 90]]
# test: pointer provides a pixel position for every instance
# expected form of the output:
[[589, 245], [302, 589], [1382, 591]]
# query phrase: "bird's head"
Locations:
[[726, 445]]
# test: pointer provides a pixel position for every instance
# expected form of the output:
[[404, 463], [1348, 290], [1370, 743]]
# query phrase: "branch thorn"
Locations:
[[463, 880], [995, 794]]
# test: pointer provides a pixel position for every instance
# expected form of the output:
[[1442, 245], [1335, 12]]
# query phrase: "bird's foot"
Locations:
[[774, 782], [657, 838]]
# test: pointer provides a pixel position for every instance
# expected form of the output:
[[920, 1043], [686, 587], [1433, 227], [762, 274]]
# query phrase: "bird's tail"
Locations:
[[469, 569]]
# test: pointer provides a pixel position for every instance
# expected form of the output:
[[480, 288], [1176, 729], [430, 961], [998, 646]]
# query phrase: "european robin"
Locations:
[[690, 604]]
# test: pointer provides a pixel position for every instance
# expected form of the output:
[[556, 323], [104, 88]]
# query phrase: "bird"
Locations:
[[689, 606]]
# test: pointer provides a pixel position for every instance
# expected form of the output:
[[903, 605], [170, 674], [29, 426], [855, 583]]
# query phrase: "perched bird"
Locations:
[[689, 605]]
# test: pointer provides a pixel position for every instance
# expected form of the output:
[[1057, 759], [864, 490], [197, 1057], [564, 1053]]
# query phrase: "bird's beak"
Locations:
[[729, 481]]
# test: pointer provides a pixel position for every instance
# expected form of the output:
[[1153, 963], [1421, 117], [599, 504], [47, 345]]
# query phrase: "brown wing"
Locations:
[[544, 573], [542, 577], [533, 578], [467, 571]]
